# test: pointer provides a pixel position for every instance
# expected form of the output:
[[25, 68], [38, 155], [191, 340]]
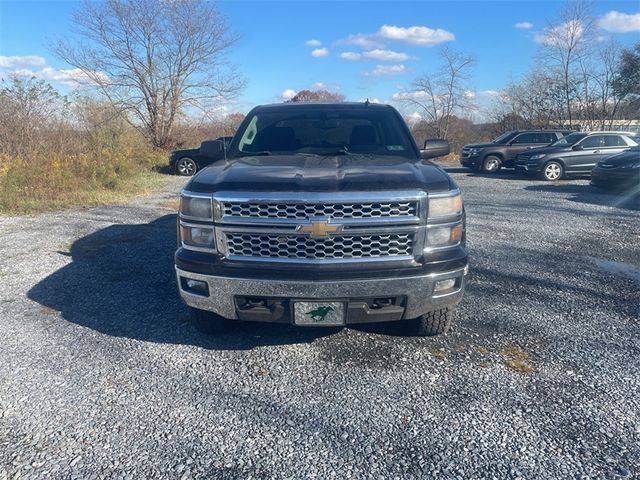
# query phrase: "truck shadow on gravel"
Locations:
[[592, 195], [121, 282]]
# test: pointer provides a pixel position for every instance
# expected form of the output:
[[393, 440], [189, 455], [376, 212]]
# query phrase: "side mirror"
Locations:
[[212, 149], [434, 148], [577, 147]]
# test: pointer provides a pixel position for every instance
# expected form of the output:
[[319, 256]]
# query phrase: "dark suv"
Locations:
[[502, 152], [576, 153]]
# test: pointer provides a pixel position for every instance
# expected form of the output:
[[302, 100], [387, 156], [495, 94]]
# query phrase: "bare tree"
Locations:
[[598, 100], [444, 93], [316, 96], [565, 42], [153, 59], [30, 111]]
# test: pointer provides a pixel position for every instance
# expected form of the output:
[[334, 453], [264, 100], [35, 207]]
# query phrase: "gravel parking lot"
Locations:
[[103, 376]]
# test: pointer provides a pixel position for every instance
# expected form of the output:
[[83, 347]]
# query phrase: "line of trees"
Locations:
[[577, 80]]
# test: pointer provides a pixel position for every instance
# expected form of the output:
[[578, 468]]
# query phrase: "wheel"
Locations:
[[432, 323], [552, 171], [491, 164], [186, 167], [209, 322]]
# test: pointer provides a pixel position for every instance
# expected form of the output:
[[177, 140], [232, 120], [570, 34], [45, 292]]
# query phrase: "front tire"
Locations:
[[432, 323], [186, 167], [552, 171], [491, 164], [209, 322]]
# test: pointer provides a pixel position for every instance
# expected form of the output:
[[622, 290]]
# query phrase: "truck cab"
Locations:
[[323, 215]]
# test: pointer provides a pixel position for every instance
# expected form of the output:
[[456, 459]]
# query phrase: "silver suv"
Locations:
[[576, 153]]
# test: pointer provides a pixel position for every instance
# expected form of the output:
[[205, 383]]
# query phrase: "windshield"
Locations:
[[324, 132], [503, 138], [569, 140]]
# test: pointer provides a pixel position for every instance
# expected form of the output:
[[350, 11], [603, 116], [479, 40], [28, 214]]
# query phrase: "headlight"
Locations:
[[474, 151], [445, 206], [195, 207], [197, 237], [538, 156], [444, 236], [632, 165]]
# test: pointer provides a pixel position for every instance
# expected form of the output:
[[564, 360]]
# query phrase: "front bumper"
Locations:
[[602, 177], [412, 296], [527, 167], [469, 161]]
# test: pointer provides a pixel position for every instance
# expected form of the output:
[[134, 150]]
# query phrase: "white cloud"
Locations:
[[320, 52], [384, 70], [469, 94], [26, 61], [386, 55], [351, 56], [524, 25], [417, 95], [489, 93], [417, 35], [423, 36], [288, 94], [413, 118], [560, 35], [376, 54], [620, 22], [363, 40], [73, 77], [313, 43]]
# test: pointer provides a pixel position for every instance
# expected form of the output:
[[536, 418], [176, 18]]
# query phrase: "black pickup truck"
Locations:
[[323, 215], [188, 162]]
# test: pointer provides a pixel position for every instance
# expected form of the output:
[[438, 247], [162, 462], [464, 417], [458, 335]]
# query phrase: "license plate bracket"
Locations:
[[319, 313]]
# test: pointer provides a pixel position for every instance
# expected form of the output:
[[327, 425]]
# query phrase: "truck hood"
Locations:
[[310, 173]]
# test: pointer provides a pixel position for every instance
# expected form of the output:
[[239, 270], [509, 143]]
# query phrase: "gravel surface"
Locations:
[[103, 376]]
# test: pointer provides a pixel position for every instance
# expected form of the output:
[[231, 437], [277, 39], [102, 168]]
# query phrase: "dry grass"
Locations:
[[439, 354], [43, 183], [172, 204], [517, 360]]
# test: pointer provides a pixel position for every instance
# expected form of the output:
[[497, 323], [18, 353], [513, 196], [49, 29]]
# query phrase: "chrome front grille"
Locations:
[[303, 247], [303, 211], [320, 226]]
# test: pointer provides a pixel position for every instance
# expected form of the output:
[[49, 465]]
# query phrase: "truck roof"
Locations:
[[323, 106]]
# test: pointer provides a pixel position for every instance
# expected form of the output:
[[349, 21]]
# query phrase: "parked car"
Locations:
[[188, 162], [501, 152], [621, 171], [578, 153], [325, 214]]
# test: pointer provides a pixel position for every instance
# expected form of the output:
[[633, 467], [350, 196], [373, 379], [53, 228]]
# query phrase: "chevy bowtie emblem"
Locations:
[[319, 229]]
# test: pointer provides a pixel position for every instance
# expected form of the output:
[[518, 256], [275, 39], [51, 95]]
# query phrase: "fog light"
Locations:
[[195, 286], [442, 285]]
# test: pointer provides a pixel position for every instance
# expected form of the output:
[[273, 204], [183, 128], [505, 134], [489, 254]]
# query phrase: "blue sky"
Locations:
[[364, 49]]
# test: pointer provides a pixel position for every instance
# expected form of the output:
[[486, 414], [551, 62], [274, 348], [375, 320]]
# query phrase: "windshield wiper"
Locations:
[[340, 151], [255, 154]]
